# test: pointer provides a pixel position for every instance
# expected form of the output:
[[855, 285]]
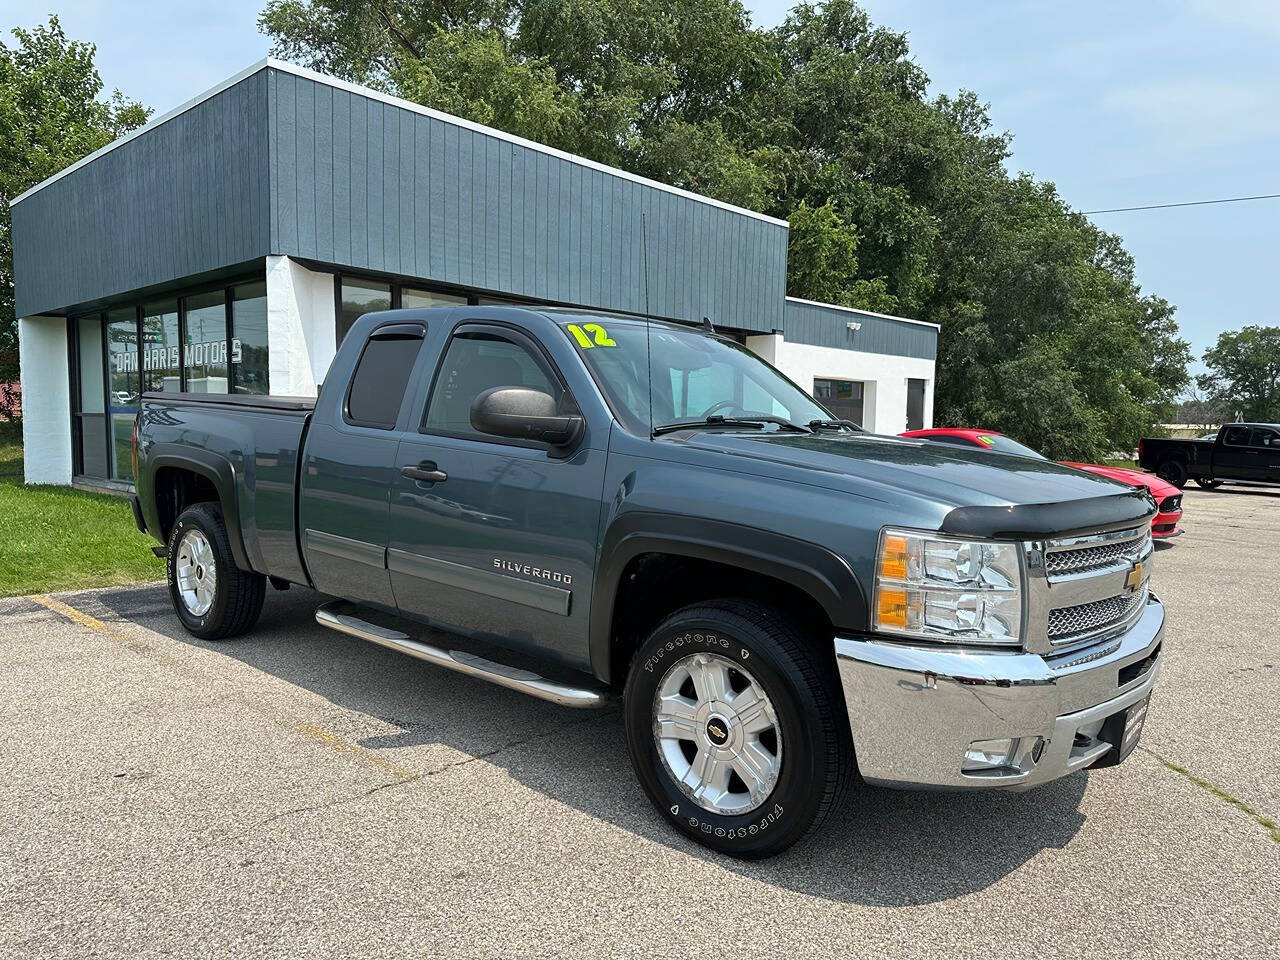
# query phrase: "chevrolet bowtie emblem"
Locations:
[[1133, 582]]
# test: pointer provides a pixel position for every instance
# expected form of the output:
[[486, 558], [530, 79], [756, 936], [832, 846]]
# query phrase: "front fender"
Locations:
[[820, 573]]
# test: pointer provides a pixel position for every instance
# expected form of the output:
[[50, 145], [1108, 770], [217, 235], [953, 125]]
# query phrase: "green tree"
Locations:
[[50, 117], [1244, 374], [897, 202]]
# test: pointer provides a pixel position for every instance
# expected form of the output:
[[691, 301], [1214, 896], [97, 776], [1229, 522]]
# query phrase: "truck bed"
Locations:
[[248, 447]]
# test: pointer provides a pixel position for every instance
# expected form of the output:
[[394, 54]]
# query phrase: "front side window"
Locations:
[[477, 361], [1267, 439], [694, 375]]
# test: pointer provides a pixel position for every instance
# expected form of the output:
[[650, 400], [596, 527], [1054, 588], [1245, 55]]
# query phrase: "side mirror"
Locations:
[[524, 414]]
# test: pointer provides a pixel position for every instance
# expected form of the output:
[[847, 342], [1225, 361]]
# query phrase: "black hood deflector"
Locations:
[[1038, 521]]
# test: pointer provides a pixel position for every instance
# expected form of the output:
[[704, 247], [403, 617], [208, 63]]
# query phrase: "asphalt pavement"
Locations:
[[299, 793]]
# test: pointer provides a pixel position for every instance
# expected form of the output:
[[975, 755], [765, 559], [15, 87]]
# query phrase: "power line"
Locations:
[[1189, 203]]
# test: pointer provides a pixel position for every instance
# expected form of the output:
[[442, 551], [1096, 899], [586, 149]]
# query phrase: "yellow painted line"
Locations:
[[343, 745], [71, 613], [313, 733]]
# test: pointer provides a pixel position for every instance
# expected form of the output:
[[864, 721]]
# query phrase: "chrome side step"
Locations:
[[337, 615]]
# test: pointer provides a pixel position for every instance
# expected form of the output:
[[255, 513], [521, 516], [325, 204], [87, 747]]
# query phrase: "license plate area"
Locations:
[[1123, 730]]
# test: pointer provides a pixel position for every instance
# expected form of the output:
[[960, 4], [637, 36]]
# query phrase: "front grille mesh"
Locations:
[[1082, 559], [1068, 622]]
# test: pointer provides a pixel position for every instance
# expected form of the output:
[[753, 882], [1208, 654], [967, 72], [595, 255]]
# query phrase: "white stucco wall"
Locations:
[[301, 327], [884, 401], [46, 399]]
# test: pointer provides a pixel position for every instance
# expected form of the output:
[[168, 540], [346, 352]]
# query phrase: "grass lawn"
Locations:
[[57, 538]]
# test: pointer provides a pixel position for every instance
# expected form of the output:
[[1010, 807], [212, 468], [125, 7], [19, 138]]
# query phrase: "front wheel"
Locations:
[[736, 728], [213, 597], [1208, 484]]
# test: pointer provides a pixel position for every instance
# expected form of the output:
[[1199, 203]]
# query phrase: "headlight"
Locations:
[[940, 588]]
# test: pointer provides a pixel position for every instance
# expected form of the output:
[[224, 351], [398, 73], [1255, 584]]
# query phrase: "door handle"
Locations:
[[426, 472]]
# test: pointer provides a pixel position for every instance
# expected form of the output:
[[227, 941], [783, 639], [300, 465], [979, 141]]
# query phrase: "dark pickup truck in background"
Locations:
[[578, 506], [1240, 451]]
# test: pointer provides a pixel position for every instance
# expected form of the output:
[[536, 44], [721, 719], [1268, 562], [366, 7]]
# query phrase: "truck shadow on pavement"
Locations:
[[884, 848]]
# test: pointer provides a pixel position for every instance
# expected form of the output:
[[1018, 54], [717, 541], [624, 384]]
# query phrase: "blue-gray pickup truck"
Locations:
[[584, 506]]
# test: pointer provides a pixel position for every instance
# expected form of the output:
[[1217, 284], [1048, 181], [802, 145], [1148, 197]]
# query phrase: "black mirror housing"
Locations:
[[521, 413]]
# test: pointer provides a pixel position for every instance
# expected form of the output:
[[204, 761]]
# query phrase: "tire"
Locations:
[[1209, 484], [1173, 471], [212, 604], [806, 756]]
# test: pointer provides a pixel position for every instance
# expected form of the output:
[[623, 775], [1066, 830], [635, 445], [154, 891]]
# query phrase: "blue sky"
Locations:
[[1118, 104]]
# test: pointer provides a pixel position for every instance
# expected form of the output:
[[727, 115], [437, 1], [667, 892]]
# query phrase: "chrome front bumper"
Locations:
[[914, 711]]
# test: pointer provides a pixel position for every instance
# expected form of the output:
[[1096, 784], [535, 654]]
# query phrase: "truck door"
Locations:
[[1264, 451], [1232, 458], [349, 470], [492, 537]]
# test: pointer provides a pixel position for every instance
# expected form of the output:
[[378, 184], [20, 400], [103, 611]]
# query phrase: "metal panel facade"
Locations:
[[182, 198], [363, 183], [283, 161], [827, 326]]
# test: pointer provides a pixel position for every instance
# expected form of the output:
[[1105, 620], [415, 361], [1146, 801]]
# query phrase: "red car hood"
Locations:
[[1134, 478]]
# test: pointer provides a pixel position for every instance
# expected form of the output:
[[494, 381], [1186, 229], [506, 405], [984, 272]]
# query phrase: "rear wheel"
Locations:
[[1208, 484], [213, 597], [1173, 471], [736, 728]]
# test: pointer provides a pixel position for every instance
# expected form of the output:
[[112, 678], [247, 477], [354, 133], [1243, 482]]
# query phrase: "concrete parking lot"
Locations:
[[299, 793]]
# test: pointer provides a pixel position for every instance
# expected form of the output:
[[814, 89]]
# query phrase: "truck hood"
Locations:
[[991, 494]]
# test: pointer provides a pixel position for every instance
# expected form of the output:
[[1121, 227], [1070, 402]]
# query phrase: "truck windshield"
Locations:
[[694, 375]]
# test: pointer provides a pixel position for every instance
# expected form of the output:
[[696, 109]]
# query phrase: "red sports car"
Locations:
[[1167, 496]]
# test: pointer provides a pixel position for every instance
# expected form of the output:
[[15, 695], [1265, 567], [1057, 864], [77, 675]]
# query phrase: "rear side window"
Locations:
[[1237, 436], [381, 376]]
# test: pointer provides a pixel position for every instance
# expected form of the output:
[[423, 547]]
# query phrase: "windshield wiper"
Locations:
[[719, 421], [835, 425]]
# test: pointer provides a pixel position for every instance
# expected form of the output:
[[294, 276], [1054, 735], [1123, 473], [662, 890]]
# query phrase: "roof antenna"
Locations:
[[707, 325]]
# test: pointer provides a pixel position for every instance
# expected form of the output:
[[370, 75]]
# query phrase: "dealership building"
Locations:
[[228, 246]]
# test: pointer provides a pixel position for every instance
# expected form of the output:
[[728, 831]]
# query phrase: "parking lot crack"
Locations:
[[1266, 823]]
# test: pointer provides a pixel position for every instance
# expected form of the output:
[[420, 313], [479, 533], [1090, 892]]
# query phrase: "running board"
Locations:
[[338, 616]]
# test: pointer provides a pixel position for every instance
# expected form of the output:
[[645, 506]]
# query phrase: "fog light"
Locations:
[[990, 754]]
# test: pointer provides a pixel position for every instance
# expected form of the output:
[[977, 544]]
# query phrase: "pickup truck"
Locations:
[[1240, 451], [583, 506]]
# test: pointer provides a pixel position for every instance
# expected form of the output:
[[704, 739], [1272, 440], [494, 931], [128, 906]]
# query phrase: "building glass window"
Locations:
[[249, 356], [124, 387], [425, 298], [205, 352], [358, 298], [93, 395], [160, 347], [841, 397]]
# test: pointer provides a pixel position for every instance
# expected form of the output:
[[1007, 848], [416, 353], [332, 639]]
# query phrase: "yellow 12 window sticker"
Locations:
[[591, 335]]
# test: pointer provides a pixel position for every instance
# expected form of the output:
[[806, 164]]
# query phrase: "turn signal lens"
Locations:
[[891, 609], [893, 558]]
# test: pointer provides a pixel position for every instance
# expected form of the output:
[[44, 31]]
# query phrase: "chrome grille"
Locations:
[[1066, 623], [1083, 559]]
